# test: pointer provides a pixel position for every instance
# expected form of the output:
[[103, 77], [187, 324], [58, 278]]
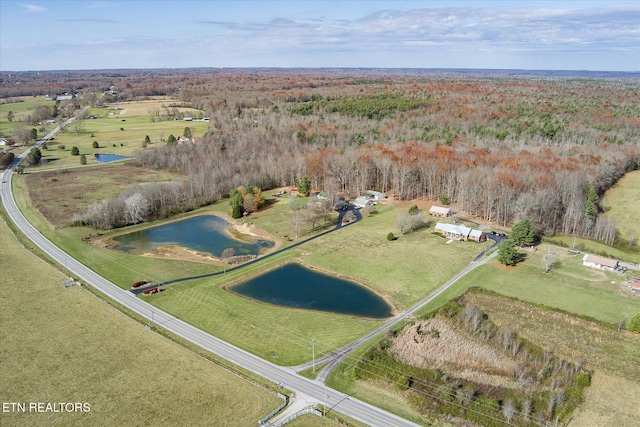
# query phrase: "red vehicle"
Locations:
[[139, 283]]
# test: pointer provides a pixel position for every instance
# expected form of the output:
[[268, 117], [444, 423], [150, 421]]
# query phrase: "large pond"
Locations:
[[293, 285], [206, 233]]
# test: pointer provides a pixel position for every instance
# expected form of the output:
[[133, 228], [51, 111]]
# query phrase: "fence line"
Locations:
[[275, 411], [305, 411]]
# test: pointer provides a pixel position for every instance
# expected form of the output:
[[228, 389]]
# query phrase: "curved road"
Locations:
[[340, 402]]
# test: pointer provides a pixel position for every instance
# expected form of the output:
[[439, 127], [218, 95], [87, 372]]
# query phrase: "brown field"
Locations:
[[144, 107], [570, 337], [59, 195], [434, 343], [609, 401]]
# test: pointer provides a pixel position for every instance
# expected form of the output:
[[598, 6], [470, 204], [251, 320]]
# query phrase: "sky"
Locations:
[[536, 35]]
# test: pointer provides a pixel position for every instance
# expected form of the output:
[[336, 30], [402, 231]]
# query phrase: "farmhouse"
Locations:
[[376, 194], [361, 202], [460, 232], [635, 284], [440, 211], [602, 263]]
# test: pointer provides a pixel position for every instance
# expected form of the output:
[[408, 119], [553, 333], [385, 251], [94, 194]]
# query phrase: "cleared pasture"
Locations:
[[147, 106], [622, 203], [591, 246], [571, 287], [66, 345]]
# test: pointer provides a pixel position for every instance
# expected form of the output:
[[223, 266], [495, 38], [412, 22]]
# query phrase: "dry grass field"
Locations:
[[609, 401], [145, 107], [612, 355], [66, 345], [59, 195], [435, 344], [602, 348]]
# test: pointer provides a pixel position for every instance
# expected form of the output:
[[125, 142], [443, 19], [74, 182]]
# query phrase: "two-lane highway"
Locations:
[[340, 402]]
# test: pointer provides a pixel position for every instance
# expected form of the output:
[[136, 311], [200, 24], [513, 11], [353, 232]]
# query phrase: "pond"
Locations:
[[206, 233], [293, 285], [106, 158]]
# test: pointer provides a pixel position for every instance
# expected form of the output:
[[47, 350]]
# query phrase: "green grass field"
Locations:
[[591, 246], [66, 345], [622, 203], [571, 287], [117, 131], [21, 111]]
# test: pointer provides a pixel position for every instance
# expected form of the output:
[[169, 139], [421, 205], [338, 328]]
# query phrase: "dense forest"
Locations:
[[501, 147]]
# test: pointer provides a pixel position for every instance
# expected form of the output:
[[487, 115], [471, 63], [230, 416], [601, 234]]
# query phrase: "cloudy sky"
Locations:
[[548, 35]]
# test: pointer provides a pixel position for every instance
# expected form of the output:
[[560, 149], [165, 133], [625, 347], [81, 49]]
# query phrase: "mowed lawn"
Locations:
[[571, 287], [66, 345]]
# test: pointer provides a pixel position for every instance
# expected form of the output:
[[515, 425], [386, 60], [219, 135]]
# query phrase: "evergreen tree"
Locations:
[[634, 323], [522, 233], [591, 206], [83, 159], [507, 253], [304, 186], [236, 201]]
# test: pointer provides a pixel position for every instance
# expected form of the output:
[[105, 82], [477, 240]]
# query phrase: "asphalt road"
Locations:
[[340, 402]]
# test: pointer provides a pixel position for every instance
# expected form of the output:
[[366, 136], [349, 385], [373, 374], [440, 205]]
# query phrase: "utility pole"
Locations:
[[313, 355]]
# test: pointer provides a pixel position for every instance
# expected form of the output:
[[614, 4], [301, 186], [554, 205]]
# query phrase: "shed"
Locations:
[[440, 211], [602, 263], [361, 202]]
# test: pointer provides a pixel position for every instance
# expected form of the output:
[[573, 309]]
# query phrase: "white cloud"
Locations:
[[32, 7]]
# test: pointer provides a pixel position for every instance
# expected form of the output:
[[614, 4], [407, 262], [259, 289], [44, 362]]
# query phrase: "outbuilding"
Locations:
[[602, 263], [440, 211], [361, 202]]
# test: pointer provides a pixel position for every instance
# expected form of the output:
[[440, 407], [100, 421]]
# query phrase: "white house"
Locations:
[[440, 211], [460, 232], [595, 261]]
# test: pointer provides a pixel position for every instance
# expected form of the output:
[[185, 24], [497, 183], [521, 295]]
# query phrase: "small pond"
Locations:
[[106, 158], [293, 285], [206, 233]]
